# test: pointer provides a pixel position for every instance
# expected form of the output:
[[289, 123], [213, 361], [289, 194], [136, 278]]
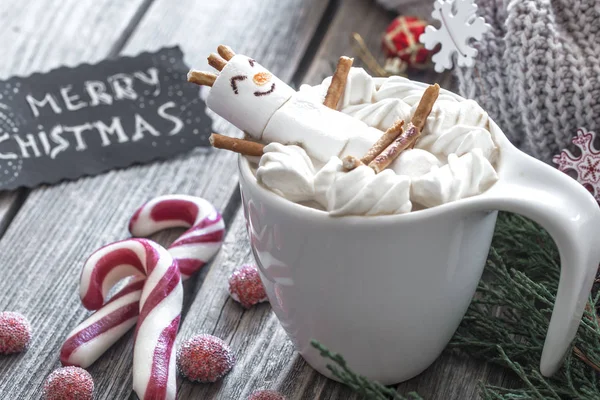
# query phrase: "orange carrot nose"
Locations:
[[261, 78]]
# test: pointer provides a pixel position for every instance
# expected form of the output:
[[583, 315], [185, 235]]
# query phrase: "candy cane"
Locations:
[[154, 372], [90, 339], [198, 244]]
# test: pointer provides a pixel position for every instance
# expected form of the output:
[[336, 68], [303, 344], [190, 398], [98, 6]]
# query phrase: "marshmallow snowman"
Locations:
[[260, 104]]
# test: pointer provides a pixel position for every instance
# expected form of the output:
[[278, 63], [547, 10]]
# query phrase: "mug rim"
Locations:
[[302, 211]]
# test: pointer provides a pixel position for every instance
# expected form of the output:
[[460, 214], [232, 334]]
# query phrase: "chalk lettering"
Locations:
[[178, 123], [77, 132], [7, 156], [97, 92], [62, 143], [115, 128], [45, 143], [151, 79], [122, 85], [28, 143], [141, 126], [70, 98], [48, 99]]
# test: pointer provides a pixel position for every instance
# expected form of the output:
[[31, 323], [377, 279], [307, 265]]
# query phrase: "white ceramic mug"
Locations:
[[388, 292]]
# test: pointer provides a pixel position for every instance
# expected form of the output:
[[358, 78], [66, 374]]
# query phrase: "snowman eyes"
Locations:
[[251, 62], [234, 80]]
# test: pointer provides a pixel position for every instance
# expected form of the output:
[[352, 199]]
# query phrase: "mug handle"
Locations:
[[571, 216]]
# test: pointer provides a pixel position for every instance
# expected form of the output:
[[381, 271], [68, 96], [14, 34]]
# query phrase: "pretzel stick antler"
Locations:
[[225, 52], [413, 131], [216, 61], [201, 78], [338, 82]]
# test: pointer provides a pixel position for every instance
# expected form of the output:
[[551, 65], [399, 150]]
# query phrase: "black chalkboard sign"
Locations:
[[86, 120]]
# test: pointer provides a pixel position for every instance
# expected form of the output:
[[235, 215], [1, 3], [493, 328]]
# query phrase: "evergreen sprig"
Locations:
[[358, 383], [508, 319]]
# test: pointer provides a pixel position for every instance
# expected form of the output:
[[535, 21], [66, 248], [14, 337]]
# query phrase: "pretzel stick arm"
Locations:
[[425, 105], [351, 162], [384, 141], [338, 82], [412, 133], [387, 156], [240, 146]]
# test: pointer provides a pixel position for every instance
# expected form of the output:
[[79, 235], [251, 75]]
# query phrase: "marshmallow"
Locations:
[[321, 131], [247, 95]]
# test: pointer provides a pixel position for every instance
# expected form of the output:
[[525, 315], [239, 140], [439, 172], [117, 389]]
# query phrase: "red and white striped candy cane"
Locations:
[[198, 244], [90, 339], [154, 372]]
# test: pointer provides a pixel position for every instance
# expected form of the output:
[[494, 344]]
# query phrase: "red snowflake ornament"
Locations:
[[587, 165], [401, 40]]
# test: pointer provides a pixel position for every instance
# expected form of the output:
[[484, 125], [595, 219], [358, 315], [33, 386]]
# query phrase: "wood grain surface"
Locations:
[[58, 226], [42, 35], [47, 233]]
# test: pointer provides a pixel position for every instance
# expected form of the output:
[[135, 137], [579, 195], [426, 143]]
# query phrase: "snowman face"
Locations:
[[261, 78], [247, 94]]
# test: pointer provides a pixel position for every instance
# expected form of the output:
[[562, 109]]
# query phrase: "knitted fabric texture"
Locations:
[[537, 71]]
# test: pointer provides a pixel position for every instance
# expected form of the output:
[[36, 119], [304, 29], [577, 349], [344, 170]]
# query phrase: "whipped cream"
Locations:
[[464, 176], [457, 127], [414, 163], [361, 191], [287, 171], [452, 159]]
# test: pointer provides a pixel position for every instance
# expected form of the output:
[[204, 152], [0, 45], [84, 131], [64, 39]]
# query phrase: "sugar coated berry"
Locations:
[[204, 358], [71, 383], [15, 332], [266, 395], [245, 286]]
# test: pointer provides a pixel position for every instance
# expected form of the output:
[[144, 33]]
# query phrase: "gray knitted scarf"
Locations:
[[537, 71]]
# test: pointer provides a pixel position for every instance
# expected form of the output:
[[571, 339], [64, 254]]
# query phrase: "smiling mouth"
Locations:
[[257, 93]]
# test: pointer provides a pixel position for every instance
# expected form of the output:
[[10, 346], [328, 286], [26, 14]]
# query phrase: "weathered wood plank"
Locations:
[[370, 21], [266, 358], [43, 35], [64, 223]]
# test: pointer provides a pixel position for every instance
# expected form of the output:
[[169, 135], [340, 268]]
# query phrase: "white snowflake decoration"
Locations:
[[455, 34]]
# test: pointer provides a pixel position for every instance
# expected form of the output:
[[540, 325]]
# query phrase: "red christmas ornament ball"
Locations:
[[266, 395], [15, 332], [246, 287], [204, 358], [71, 383], [401, 39]]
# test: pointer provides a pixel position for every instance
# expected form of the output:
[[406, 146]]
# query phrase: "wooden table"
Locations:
[[47, 233]]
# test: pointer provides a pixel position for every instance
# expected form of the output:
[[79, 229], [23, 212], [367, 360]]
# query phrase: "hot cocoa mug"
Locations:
[[388, 292]]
